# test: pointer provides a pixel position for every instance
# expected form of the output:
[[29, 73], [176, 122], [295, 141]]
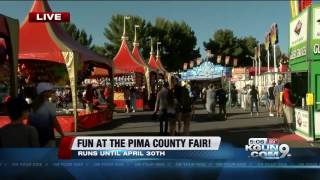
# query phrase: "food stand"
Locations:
[[48, 53], [304, 64], [8, 62]]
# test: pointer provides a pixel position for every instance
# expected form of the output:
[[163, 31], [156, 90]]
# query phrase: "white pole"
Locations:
[[254, 67], [268, 58], [274, 58], [255, 72]]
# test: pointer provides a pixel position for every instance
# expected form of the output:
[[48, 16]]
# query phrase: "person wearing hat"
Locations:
[[16, 134], [43, 115], [271, 98]]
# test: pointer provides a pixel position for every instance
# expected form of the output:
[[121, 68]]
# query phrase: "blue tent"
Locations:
[[206, 71]]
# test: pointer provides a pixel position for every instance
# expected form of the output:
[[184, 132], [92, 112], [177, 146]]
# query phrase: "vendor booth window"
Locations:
[[300, 80]]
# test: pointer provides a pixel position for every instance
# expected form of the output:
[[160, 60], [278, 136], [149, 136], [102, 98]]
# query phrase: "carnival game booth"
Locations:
[[129, 77], [304, 64], [9, 30], [47, 53], [206, 71]]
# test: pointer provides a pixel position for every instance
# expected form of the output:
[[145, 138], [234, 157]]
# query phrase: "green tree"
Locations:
[[226, 44], [177, 38], [79, 35], [114, 31]]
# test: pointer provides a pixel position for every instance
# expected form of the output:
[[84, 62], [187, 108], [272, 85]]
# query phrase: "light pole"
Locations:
[[124, 26], [135, 35]]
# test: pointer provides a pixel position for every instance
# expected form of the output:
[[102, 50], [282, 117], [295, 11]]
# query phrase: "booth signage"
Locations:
[[298, 36], [302, 120], [315, 54], [309, 99], [317, 123]]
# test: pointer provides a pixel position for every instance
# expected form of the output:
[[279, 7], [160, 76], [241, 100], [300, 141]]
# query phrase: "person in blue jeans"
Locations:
[[254, 99]]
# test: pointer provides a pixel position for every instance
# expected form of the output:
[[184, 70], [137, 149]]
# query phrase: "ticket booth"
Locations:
[[304, 64]]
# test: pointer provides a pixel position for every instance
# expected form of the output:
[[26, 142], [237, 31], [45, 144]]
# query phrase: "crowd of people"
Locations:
[[175, 107], [41, 116]]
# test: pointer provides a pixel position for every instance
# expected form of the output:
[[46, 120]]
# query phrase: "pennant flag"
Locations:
[[227, 59], [219, 59], [303, 4], [185, 66], [267, 41], [198, 61], [191, 63]]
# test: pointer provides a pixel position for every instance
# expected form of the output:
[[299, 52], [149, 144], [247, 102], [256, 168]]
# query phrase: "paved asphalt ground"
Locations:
[[237, 129]]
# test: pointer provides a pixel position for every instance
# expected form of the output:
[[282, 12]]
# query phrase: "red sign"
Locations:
[[49, 17]]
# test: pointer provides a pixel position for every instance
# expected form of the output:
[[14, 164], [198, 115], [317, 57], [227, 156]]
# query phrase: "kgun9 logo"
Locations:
[[267, 148]]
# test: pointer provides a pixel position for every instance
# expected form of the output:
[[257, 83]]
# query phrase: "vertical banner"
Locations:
[[198, 61], [256, 52], [227, 60], [219, 59], [191, 64], [267, 41], [274, 34], [235, 62], [208, 52], [294, 6]]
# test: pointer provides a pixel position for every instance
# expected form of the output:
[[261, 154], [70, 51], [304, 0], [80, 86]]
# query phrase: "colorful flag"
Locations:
[[198, 61], [294, 6], [267, 40], [185, 66], [303, 4], [191, 63], [274, 34], [227, 59], [219, 59]]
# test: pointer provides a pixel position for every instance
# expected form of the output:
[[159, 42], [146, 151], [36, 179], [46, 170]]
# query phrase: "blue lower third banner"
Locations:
[[144, 154]]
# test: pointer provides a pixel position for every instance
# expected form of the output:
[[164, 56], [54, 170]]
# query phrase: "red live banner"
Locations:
[[49, 17]]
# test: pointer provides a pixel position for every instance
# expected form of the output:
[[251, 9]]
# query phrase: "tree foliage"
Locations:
[[79, 35], [177, 39], [224, 43]]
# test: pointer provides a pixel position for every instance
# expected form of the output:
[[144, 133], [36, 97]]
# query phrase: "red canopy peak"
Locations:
[[124, 61], [46, 41]]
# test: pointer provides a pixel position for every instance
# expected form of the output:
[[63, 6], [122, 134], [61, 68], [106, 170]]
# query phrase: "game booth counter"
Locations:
[[9, 30], [47, 53], [304, 64]]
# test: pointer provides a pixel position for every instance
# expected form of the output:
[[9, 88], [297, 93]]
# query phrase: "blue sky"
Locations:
[[205, 17]]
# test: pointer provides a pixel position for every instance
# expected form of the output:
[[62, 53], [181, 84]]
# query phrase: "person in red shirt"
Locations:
[[288, 106]]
